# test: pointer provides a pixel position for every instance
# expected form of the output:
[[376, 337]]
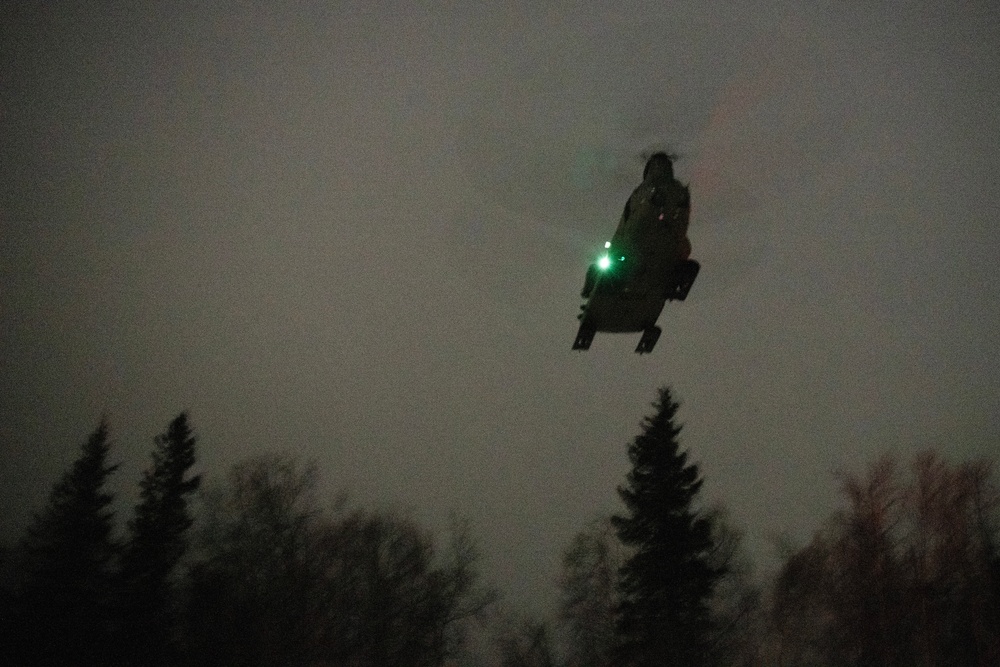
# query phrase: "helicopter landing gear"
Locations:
[[677, 290], [649, 337], [588, 281], [584, 337]]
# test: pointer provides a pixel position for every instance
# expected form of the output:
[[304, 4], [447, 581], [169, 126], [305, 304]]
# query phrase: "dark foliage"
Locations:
[[527, 644], [905, 574], [157, 541], [668, 580], [257, 564], [589, 596], [278, 582], [63, 613]]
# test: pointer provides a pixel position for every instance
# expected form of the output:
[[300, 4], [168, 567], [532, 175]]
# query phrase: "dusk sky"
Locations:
[[356, 232]]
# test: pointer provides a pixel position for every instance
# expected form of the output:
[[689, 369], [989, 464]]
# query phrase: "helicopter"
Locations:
[[645, 264]]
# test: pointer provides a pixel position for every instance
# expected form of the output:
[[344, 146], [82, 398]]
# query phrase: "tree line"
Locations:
[[267, 577], [906, 572]]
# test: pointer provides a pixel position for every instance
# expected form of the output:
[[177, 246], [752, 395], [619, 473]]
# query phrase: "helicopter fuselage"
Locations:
[[645, 264]]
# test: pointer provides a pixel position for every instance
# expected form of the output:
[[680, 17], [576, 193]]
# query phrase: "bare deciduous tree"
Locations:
[[527, 643], [904, 575], [588, 584], [278, 581], [735, 603]]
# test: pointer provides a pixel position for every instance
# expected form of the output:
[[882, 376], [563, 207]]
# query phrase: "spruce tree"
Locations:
[[64, 583], [665, 585], [157, 541]]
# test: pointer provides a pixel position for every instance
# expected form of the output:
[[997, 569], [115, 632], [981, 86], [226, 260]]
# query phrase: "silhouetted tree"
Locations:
[[984, 509], [869, 589], [390, 599], [8, 628], [157, 541], [258, 567], [395, 594], [666, 584], [526, 643], [947, 555], [63, 606], [800, 625], [841, 599], [277, 582], [901, 576], [458, 589], [589, 595], [735, 605]]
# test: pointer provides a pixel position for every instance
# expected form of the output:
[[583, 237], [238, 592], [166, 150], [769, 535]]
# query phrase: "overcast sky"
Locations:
[[356, 232]]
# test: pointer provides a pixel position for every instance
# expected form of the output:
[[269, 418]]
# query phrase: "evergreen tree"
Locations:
[[666, 583], [64, 582], [156, 543]]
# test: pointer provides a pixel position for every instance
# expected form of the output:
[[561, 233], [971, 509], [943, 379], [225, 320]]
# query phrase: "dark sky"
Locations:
[[357, 231]]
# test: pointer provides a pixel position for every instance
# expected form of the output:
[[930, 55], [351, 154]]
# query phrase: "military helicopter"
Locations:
[[645, 264]]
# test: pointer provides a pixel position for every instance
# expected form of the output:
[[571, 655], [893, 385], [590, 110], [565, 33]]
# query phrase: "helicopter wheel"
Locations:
[[648, 341], [686, 274], [584, 337]]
